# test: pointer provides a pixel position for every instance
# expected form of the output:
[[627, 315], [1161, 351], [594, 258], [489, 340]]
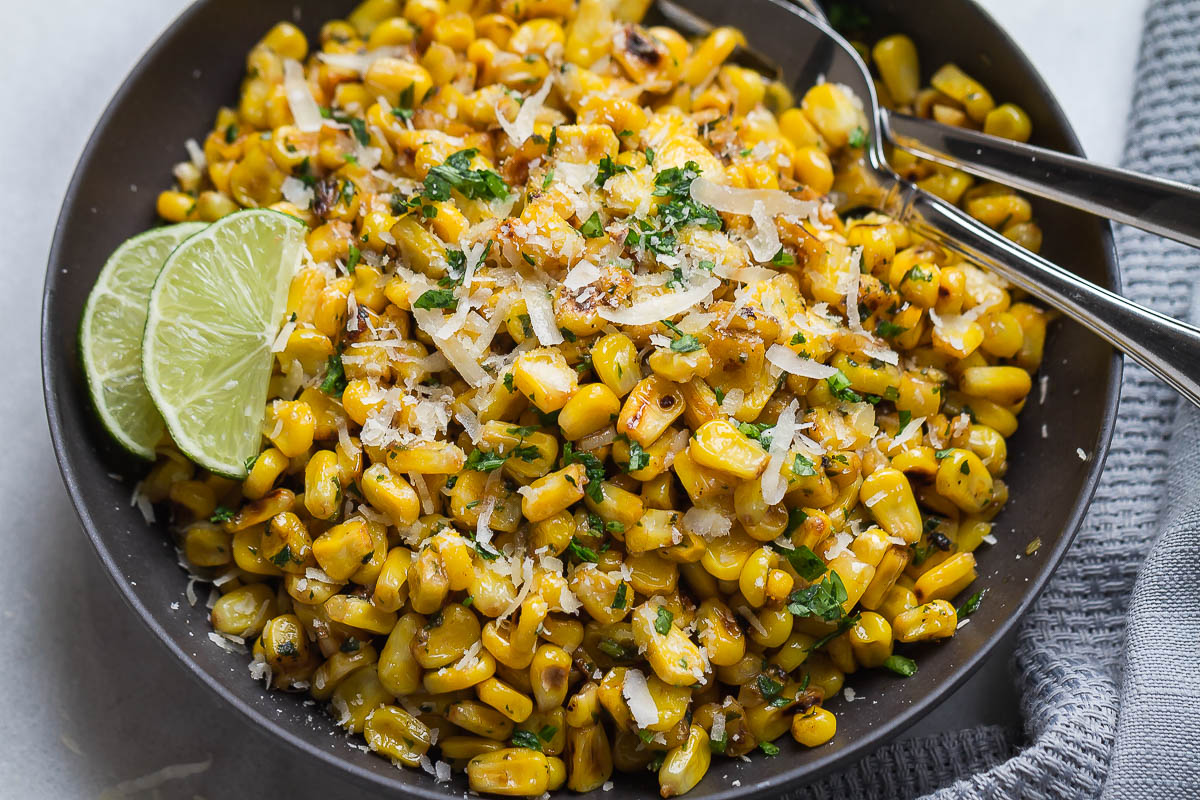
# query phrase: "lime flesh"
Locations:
[[213, 315]]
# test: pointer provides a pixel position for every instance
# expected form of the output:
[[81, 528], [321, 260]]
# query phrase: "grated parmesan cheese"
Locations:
[[641, 703]]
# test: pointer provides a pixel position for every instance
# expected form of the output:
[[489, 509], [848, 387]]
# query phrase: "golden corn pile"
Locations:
[[597, 438]]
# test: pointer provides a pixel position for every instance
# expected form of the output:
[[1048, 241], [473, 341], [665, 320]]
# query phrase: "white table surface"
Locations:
[[91, 700]]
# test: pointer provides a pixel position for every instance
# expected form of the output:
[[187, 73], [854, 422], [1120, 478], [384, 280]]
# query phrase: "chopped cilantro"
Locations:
[[770, 748], [592, 228], [526, 739], [650, 156], [783, 258], [638, 458], [221, 514], [798, 338], [972, 604], [901, 665], [905, 418], [887, 330], [594, 469], [608, 168], [508, 381], [803, 467], [662, 622], [619, 599], [581, 552], [334, 382], [858, 137], [822, 599], [437, 298], [456, 173], [808, 565], [839, 385], [484, 461]]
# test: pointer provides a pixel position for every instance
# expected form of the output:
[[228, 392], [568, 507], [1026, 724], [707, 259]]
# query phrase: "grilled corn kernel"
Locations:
[[589, 758], [340, 550], [888, 496], [1008, 121], [322, 485], [512, 771], [479, 719], [291, 426], [391, 494], [505, 699], [685, 764], [591, 408], [933, 620], [398, 735], [549, 495], [896, 59], [721, 446], [965, 481], [947, 579], [356, 697], [814, 727], [614, 357], [245, 610], [544, 376]]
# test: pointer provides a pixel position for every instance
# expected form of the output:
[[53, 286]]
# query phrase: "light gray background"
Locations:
[[92, 702]]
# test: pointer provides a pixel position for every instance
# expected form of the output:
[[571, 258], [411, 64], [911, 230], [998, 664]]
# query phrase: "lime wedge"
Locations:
[[110, 337], [213, 315]]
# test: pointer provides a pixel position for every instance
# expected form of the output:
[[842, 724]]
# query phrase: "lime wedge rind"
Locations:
[[110, 337], [212, 317]]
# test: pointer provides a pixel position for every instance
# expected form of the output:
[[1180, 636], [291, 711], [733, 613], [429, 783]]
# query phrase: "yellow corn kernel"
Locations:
[[195, 496], [510, 771], [719, 633], [552, 534], [710, 54], [674, 657], [871, 639], [617, 504], [798, 130], [291, 425], [341, 549], [889, 498], [286, 543], [615, 359], [965, 481], [589, 758], [398, 735], [685, 764], [832, 113], [947, 579], [589, 36], [479, 719], [896, 59], [813, 168], [357, 697], [458, 750], [206, 545], [399, 672], [390, 494], [1003, 385], [245, 610], [322, 485], [427, 582], [721, 446], [933, 620], [175, 206], [505, 699], [460, 676], [654, 529], [391, 591], [591, 408], [261, 510], [427, 458], [544, 376], [866, 378], [651, 407], [357, 612], [597, 592], [389, 77], [1008, 121], [553, 493], [954, 83], [814, 727], [267, 468]]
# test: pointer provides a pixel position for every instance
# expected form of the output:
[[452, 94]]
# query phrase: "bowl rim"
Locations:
[[813, 769]]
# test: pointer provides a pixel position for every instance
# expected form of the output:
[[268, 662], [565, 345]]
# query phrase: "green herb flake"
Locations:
[[971, 605], [581, 552], [221, 514], [808, 565], [526, 739], [770, 748], [901, 665], [592, 228], [858, 137], [437, 298], [822, 599], [662, 622], [803, 467], [619, 599], [334, 382]]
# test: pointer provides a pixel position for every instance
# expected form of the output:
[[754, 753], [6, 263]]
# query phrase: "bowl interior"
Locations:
[[173, 94]]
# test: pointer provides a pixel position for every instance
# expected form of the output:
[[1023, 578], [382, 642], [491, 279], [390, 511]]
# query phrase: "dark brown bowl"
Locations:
[[172, 94]]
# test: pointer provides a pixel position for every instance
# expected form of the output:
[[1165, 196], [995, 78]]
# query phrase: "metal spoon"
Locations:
[[807, 51]]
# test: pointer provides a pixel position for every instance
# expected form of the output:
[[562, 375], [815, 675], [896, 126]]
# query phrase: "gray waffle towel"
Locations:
[[1108, 659]]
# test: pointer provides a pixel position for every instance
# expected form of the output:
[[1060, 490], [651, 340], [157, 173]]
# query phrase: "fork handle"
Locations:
[[1164, 207], [1164, 345]]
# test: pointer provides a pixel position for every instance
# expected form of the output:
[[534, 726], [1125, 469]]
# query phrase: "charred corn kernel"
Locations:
[[617, 505], [896, 59], [933, 620], [753, 580], [614, 357], [291, 425], [1002, 385], [322, 485], [675, 659], [814, 727], [245, 610], [832, 113], [391, 494], [285, 646], [455, 30], [544, 376], [206, 545], [597, 592], [887, 571], [267, 468], [685, 764], [651, 407], [195, 496], [427, 582], [479, 719], [896, 601], [399, 671], [334, 670], [511, 771], [591, 408], [589, 758], [721, 446], [947, 579], [589, 35], [889, 498], [965, 481], [398, 735], [340, 550], [954, 83], [357, 612], [427, 458], [549, 495], [356, 697], [505, 699], [548, 673], [813, 168], [1008, 121], [247, 553]]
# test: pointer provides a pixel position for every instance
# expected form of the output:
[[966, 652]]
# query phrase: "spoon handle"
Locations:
[[1164, 345], [1164, 207]]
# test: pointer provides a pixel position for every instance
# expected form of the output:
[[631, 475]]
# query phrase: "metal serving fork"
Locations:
[[802, 46]]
